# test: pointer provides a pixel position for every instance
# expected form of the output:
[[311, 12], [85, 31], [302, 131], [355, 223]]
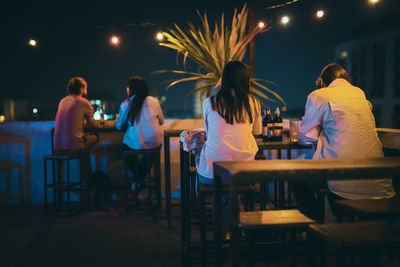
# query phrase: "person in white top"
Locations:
[[73, 115], [141, 115], [338, 118], [231, 119]]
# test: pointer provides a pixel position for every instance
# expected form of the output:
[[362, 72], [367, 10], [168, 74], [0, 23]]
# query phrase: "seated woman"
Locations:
[[339, 120], [141, 115], [231, 117]]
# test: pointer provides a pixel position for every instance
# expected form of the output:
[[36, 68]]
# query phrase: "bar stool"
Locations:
[[259, 223], [142, 174], [60, 185]]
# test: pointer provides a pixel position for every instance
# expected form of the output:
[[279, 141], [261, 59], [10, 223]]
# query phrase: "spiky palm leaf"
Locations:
[[212, 50]]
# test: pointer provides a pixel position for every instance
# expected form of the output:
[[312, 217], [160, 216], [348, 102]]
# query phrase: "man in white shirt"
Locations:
[[74, 114], [339, 120]]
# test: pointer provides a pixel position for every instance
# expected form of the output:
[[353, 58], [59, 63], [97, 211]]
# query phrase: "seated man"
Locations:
[[74, 114], [339, 120]]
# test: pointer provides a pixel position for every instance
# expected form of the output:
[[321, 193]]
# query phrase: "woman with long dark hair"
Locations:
[[141, 115], [231, 119]]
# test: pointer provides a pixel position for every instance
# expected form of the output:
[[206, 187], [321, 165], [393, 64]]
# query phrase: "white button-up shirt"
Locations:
[[339, 119], [145, 133]]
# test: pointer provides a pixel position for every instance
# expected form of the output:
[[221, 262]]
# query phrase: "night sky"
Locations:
[[73, 40]]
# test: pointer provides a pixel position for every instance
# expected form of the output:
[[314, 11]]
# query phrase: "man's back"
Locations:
[[73, 112]]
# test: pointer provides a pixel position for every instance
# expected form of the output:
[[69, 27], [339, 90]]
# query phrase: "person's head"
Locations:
[[77, 86], [232, 100], [136, 86], [236, 77], [330, 73]]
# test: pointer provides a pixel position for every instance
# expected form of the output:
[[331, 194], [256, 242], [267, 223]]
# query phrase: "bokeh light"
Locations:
[[2, 118], [159, 36], [114, 40], [261, 24], [35, 110], [285, 20], [373, 2], [320, 13], [32, 42]]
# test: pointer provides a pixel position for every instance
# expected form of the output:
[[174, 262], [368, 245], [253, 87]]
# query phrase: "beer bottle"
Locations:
[[267, 126], [277, 136]]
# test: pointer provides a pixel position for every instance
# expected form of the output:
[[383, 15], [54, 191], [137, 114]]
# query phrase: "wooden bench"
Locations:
[[365, 239]]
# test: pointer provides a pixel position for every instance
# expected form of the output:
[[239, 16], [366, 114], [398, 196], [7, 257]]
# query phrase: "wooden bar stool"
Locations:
[[259, 223], [60, 185], [363, 240], [140, 162]]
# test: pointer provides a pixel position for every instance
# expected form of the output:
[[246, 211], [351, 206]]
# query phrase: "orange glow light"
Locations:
[[114, 40], [373, 2], [261, 24]]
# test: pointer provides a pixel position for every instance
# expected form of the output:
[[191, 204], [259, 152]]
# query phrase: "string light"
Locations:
[[285, 20], [261, 24], [320, 13], [32, 42], [114, 40], [160, 36]]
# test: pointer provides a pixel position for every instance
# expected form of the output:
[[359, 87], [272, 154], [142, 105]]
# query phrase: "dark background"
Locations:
[[73, 40]]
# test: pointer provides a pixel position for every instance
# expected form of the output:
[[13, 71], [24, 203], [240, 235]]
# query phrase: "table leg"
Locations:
[[218, 220], [167, 175]]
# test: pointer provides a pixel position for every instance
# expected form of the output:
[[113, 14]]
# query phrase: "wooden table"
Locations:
[[241, 173]]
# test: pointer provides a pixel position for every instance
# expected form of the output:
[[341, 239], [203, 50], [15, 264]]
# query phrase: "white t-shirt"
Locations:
[[228, 142], [339, 117], [145, 133]]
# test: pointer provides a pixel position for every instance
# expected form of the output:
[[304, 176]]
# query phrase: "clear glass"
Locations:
[[294, 127]]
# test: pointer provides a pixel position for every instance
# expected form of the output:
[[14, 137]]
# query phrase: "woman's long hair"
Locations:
[[232, 100], [138, 87], [330, 73]]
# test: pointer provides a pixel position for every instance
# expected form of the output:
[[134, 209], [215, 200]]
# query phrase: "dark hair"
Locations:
[[234, 93], [75, 85], [138, 87], [330, 73]]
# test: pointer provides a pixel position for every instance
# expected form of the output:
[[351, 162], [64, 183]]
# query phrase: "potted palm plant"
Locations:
[[211, 50]]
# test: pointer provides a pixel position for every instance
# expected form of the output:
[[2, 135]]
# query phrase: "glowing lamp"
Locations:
[[320, 13], [285, 20], [32, 42], [2, 118], [114, 40], [373, 2], [261, 24], [159, 36], [35, 110]]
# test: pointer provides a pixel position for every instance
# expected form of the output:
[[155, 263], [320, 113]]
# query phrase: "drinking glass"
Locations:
[[294, 127]]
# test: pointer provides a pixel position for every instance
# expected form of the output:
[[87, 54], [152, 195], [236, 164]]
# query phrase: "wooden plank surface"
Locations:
[[273, 218], [303, 170]]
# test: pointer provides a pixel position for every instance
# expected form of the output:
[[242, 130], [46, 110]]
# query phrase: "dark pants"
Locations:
[[140, 165], [306, 198]]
